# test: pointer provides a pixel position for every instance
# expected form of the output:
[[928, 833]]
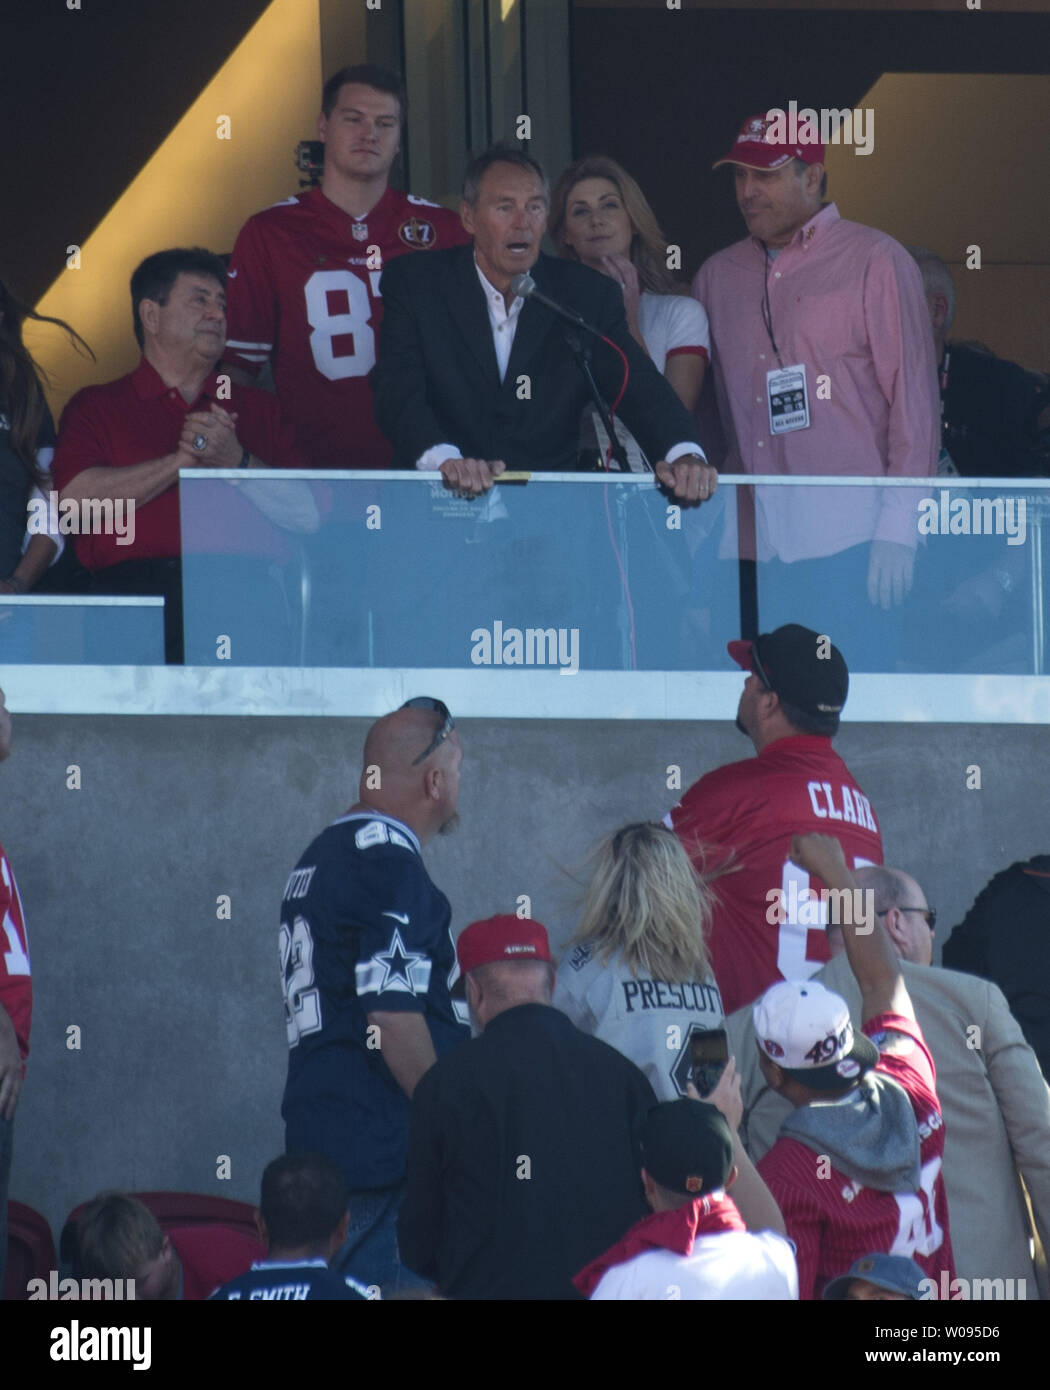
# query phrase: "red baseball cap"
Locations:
[[758, 148], [503, 937]]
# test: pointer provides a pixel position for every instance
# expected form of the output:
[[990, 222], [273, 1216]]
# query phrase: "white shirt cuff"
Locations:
[[53, 533], [435, 456], [680, 450]]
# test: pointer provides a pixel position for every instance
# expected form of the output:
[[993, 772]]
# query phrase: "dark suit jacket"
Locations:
[[523, 1160], [437, 381]]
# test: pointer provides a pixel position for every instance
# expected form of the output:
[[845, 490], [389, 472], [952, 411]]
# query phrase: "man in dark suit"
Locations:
[[473, 379]]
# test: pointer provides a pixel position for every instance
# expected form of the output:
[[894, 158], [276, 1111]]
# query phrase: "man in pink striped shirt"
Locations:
[[823, 366]]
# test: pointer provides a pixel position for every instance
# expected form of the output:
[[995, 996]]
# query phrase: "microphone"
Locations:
[[525, 287]]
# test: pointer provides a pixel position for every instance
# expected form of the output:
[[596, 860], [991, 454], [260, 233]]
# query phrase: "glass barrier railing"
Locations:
[[81, 630], [576, 573], [607, 573]]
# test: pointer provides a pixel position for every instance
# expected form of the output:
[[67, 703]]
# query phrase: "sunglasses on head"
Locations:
[[448, 723], [759, 670]]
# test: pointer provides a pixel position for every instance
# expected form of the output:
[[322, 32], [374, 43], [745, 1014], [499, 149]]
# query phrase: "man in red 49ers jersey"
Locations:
[[857, 1164], [16, 1005], [303, 288], [770, 920]]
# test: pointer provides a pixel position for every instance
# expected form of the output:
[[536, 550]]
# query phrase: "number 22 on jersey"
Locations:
[[302, 1000]]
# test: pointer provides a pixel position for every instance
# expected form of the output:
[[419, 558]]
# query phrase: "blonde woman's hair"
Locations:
[[648, 244], [646, 902]]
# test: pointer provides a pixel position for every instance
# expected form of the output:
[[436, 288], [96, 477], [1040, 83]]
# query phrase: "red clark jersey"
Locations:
[[303, 290], [16, 985], [833, 1220], [769, 922]]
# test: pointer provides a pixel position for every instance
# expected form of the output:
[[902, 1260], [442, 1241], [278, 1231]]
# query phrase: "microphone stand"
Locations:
[[582, 353]]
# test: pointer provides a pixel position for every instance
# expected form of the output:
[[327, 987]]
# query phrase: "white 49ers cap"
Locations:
[[806, 1029]]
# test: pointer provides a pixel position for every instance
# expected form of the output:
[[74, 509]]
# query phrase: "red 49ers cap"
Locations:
[[503, 937], [761, 145]]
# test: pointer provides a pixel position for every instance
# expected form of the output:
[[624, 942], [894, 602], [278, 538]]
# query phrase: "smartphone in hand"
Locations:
[[709, 1053]]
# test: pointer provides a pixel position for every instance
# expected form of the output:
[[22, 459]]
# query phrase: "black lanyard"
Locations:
[[767, 312]]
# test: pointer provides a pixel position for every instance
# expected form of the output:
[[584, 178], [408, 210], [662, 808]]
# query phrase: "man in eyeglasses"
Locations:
[[901, 906], [367, 961], [995, 1102]]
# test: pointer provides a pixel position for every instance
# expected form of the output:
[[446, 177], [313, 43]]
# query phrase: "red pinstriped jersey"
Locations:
[[16, 984], [833, 1220], [769, 923], [303, 293]]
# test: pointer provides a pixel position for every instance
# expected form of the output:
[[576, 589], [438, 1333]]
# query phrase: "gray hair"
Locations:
[[936, 277], [890, 886], [499, 154]]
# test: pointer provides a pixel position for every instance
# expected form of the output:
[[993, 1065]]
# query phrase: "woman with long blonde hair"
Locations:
[[600, 217], [637, 967]]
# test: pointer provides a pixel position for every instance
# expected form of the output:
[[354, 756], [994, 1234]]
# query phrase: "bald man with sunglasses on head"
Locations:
[[367, 957]]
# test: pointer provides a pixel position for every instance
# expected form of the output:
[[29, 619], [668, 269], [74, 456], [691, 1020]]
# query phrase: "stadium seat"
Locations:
[[30, 1250], [172, 1210]]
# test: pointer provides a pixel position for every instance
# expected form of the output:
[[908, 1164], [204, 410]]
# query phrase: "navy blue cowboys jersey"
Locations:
[[291, 1283], [363, 930]]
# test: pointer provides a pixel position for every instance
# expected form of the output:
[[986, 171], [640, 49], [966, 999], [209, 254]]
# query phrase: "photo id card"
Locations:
[[787, 399]]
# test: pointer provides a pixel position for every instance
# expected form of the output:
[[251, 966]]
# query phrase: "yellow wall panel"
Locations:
[[196, 189], [960, 160]]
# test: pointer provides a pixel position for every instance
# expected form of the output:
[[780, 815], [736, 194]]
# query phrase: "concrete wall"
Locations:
[[182, 1054]]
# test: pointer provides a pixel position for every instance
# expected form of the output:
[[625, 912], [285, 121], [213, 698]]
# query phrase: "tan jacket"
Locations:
[[996, 1107]]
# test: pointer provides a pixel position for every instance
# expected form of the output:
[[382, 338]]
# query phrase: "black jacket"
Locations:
[[523, 1162], [990, 409], [1005, 938], [436, 380]]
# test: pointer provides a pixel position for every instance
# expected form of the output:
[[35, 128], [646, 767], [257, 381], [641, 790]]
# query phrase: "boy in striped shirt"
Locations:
[[857, 1164]]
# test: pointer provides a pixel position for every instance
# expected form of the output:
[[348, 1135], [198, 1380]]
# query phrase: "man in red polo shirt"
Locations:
[[769, 920], [125, 441]]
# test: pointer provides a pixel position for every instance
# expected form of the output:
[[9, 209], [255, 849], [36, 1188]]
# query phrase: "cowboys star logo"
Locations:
[[417, 233], [397, 965]]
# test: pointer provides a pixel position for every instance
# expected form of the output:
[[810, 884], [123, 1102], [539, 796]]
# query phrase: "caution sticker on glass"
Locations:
[[787, 399]]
